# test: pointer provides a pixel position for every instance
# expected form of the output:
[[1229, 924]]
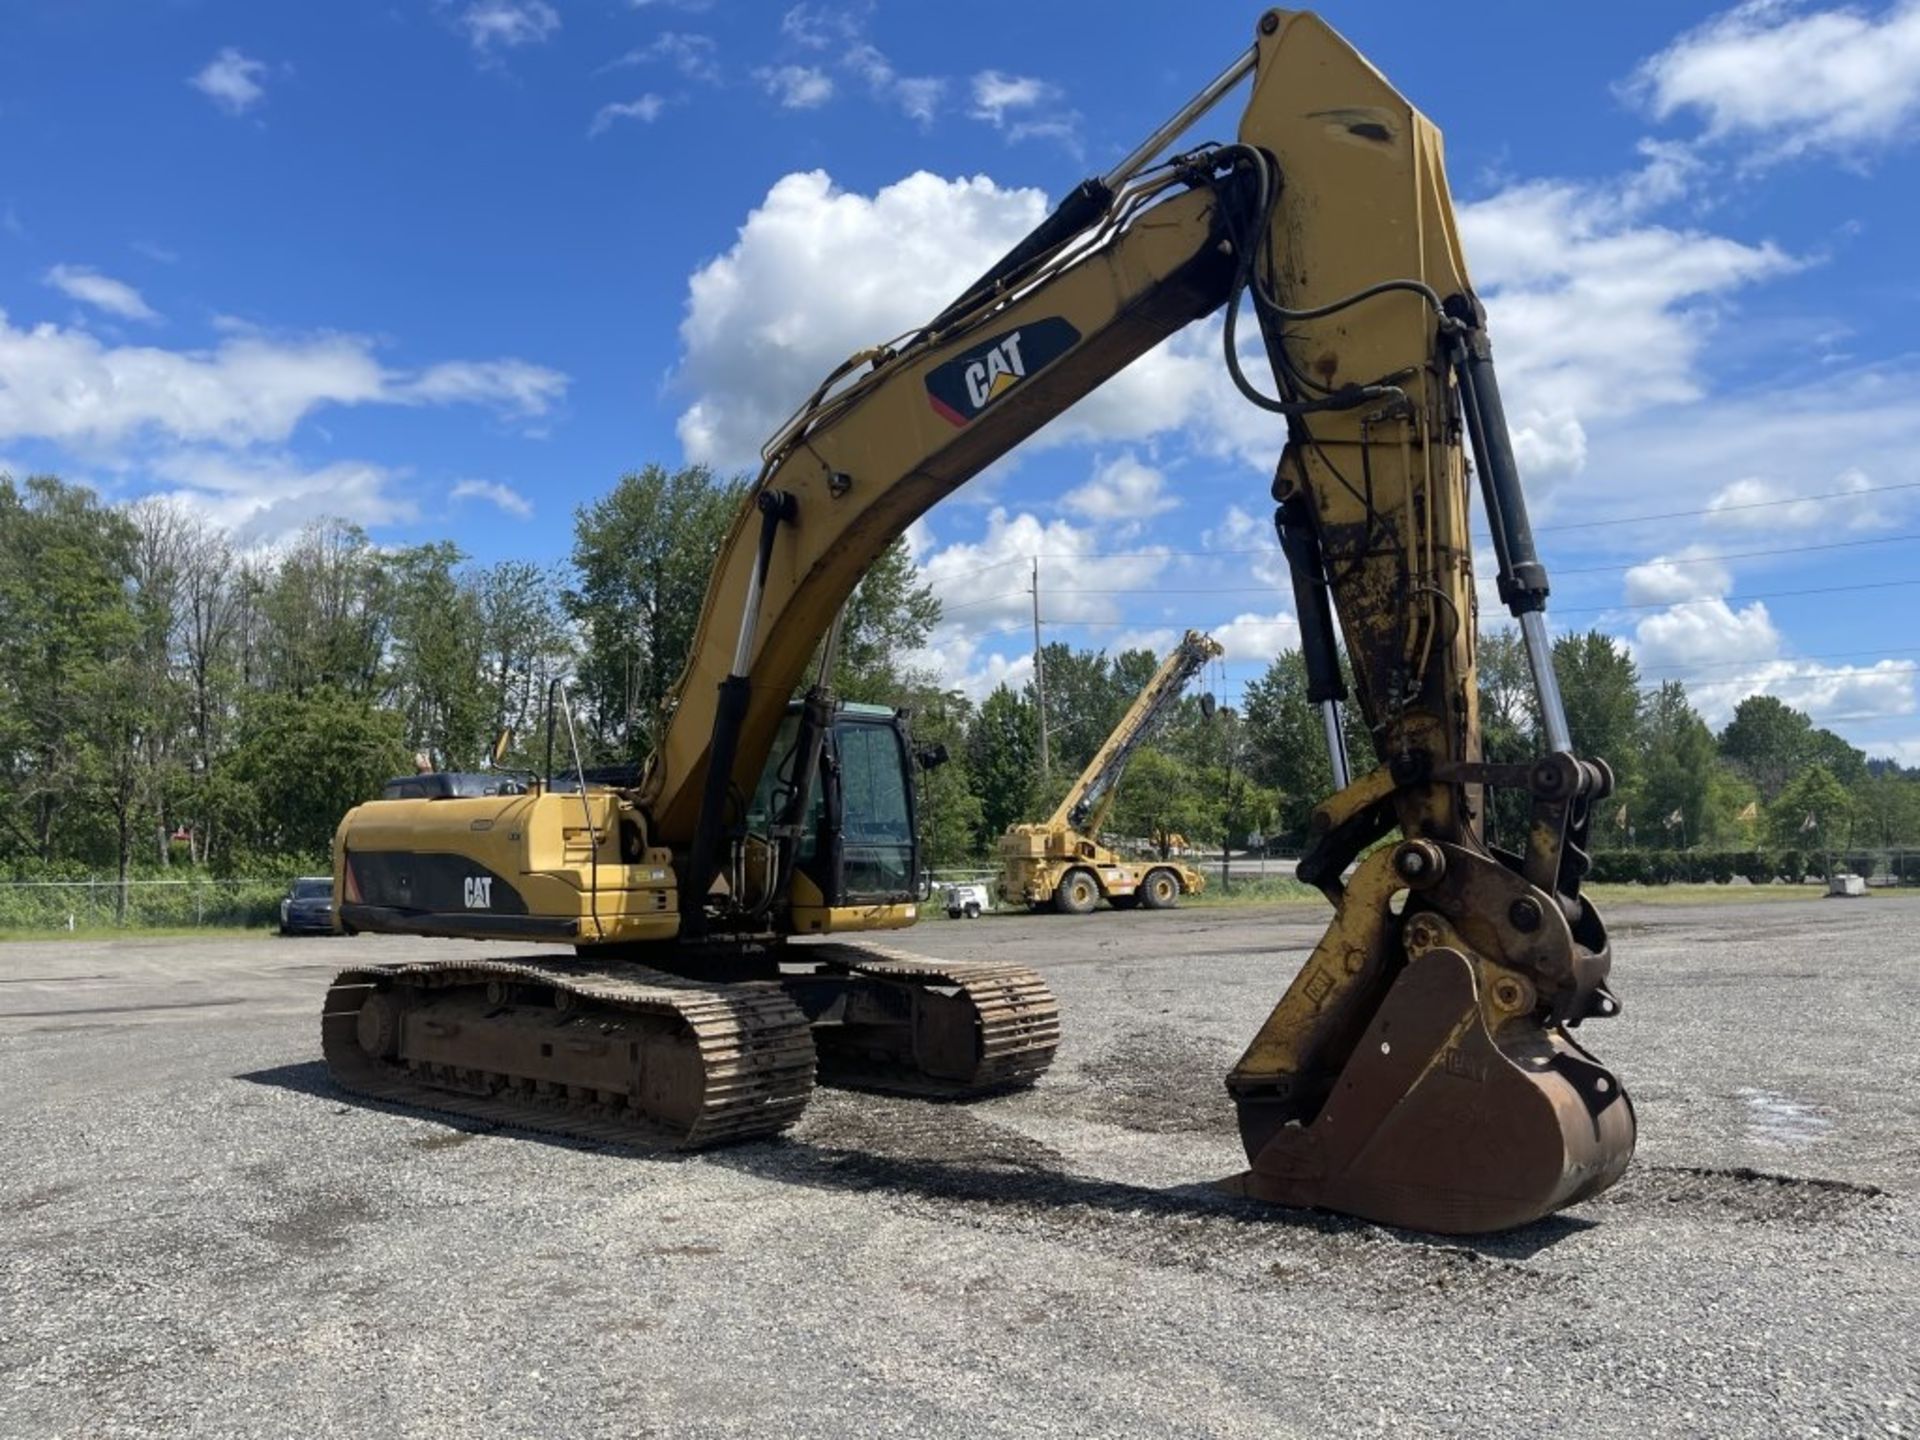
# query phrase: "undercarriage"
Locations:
[[631, 1053]]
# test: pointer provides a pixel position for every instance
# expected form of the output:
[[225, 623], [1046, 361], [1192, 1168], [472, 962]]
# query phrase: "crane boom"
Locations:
[[1084, 807]]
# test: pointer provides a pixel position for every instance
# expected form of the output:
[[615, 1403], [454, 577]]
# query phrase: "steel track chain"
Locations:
[[756, 1052]]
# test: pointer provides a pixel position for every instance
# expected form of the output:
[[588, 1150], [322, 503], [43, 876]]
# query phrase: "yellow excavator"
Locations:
[[1420, 1070], [1060, 861]]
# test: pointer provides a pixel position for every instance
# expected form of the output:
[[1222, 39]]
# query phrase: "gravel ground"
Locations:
[[202, 1237]]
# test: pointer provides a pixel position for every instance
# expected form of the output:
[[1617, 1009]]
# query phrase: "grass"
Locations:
[[1257, 890]]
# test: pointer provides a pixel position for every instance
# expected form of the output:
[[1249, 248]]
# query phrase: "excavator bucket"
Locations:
[[1438, 1124], [1417, 1077]]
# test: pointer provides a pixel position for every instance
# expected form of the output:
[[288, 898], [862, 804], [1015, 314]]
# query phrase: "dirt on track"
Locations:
[[203, 1237]]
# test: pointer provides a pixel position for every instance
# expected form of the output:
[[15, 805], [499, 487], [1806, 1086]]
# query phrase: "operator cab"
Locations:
[[858, 846]]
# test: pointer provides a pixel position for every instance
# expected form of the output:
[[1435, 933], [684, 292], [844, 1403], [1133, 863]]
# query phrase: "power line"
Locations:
[[1741, 598], [1559, 570], [1822, 655], [1725, 509], [1274, 549]]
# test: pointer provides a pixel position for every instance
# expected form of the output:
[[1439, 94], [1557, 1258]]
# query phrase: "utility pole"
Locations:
[[1039, 675]]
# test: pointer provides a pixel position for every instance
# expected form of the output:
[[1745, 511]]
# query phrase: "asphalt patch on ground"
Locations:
[[1161, 1083], [1743, 1194]]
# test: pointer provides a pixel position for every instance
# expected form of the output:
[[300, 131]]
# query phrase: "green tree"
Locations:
[[327, 609], [951, 815], [523, 642], [1600, 686], [642, 557], [1886, 810], [66, 619], [1676, 767], [1286, 747], [1813, 813], [1847, 762], [305, 760], [1001, 746], [1509, 731], [1160, 796], [1081, 710], [440, 682], [1769, 742]]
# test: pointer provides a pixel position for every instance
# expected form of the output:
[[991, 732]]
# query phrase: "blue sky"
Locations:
[[448, 267]]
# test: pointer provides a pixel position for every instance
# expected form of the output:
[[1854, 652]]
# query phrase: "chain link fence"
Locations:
[[139, 904]]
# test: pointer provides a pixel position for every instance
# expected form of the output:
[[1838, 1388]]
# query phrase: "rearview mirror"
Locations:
[[501, 745]]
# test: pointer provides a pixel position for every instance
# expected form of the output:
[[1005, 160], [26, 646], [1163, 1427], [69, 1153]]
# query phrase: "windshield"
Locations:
[[313, 889], [877, 822]]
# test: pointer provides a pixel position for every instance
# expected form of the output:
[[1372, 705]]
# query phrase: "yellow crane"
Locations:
[[1060, 861], [1420, 1070]]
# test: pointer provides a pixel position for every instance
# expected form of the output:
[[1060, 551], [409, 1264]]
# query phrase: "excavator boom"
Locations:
[[1421, 1069]]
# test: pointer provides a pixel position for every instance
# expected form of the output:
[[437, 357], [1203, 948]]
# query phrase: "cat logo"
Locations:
[[1001, 367], [479, 892], [967, 384]]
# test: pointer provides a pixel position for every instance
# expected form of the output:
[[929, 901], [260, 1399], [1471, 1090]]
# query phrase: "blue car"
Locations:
[[308, 907]]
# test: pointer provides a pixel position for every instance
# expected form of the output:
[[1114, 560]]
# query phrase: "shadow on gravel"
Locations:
[[977, 1166], [1030, 1190], [308, 1077]]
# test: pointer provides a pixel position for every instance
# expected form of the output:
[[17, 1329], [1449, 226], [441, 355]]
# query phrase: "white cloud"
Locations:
[[66, 386], [514, 387], [1552, 256], [1012, 104], [232, 81], [694, 56], [1758, 504], [1793, 80], [982, 585], [1723, 655], [1767, 444], [1257, 546], [797, 87], [918, 96], [1258, 637], [1666, 579], [1123, 491], [815, 27], [817, 273], [1705, 632], [505, 497], [90, 287], [265, 497], [646, 109], [995, 93], [508, 23], [1831, 694]]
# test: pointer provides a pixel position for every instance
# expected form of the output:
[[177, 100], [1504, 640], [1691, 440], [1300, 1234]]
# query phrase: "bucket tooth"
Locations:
[[1438, 1123]]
